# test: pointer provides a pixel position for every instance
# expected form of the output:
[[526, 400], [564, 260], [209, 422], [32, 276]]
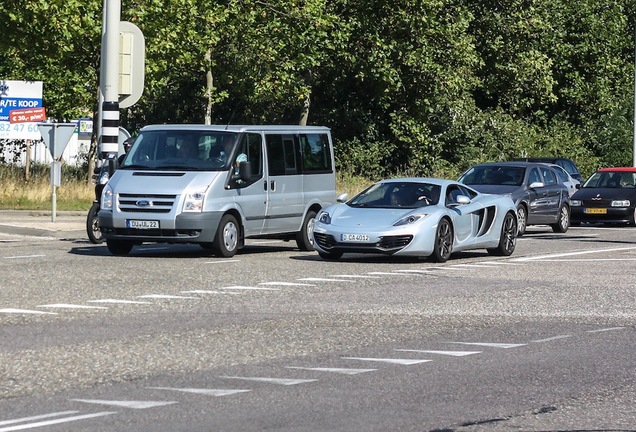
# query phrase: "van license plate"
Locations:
[[142, 224], [354, 237]]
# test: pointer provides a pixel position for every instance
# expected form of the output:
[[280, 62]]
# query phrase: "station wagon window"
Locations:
[[534, 176], [548, 177]]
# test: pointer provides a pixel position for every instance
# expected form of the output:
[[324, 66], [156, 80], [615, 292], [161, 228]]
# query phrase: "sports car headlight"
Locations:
[[107, 198], [324, 217], [407, 220], [193, 202], [620, 203], [576, 203]]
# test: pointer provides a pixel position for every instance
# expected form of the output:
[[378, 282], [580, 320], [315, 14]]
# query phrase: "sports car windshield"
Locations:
[[397, 195], [611, 179], [182, 150]]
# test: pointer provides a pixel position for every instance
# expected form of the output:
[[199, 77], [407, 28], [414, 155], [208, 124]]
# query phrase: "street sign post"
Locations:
[[56, 137]]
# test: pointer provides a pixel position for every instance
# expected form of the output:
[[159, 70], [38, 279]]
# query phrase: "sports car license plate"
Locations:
[[142, 224], [595, 211], [354, 237]]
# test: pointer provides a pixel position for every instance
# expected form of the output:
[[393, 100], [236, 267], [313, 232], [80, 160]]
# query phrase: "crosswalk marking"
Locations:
[[126, 404], [281, 381], [406, 362], [70, 306], [207, 392], [55, 421], [26, 311], [491, 345], [344, 371], [448, 353]]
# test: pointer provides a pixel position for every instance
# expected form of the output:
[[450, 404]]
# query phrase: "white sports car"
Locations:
[[423, 217]]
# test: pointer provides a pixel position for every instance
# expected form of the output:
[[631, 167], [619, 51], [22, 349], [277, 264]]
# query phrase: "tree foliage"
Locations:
[[418, 87]]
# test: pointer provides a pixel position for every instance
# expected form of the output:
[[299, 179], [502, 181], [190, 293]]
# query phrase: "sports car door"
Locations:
[[466, 217]]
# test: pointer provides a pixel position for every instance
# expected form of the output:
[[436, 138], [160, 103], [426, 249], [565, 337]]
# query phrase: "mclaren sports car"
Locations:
[[419, 217]]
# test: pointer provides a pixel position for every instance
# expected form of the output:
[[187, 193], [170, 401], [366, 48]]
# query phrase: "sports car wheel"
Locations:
[[563, 223], [330, 256], [443, 241], [508, 238], [522, 220]]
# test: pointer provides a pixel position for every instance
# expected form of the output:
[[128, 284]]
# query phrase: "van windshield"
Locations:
[[182, 150]]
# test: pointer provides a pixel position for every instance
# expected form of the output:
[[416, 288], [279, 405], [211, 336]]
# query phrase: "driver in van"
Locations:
[[188, 149]]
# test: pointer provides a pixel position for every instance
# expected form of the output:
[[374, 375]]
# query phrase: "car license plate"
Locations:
[[595, 211], [354, 237], [142, 224]]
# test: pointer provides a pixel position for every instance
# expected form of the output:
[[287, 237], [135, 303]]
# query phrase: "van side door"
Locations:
[[285, 200]]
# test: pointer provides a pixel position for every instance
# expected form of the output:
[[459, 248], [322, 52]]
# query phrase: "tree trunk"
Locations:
[[304, 114], [209, 87]]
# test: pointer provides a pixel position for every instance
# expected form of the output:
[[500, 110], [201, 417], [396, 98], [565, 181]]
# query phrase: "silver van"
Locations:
[[218, 185]]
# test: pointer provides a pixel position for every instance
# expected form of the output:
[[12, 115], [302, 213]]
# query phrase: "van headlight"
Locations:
[[193, 202], [107, 198]]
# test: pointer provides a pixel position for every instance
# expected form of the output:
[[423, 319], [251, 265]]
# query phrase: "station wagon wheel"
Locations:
[[563, 223], [508, 238], [522, 220], [226, 240], [305, 237], [443, 242]]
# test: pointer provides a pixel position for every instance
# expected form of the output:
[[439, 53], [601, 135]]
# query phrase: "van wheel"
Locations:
[[119, 247], [305, 237], [226, 240]]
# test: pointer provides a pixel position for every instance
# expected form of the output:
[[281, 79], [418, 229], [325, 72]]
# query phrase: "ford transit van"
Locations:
[[219, 185]]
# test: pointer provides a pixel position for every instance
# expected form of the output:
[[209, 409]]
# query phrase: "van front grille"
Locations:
[[145, 203]]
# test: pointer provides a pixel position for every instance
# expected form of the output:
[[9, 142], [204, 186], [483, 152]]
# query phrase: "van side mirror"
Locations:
[[245, 171]]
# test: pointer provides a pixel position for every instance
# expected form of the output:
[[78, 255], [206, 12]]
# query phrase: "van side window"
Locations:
[[282, 154], [250, 149], [315, 153]]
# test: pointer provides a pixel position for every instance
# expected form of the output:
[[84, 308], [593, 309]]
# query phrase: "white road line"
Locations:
[[239, 287], [56, 421], [280, 381], [357, 276], [316, 279], [551, 338], [70, 306], [206, 392], [605, 329], [127, 404], [24, 256], [37, 417], [473, 265], [389, 273], [222, 261], [166, 296], [344, 371], [500, 263], [405, 362], [566, 254], [449, 353], [285, 283], [453, 267], [26, 311], [491, 345], [116, 301], [416, 271], [208, 292]]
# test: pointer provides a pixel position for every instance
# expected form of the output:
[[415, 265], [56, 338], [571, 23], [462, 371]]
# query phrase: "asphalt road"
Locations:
[[172, 339]]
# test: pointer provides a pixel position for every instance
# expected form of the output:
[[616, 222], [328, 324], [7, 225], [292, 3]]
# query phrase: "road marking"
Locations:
[[551, 338], [472, 265], [281, 381], [454, 267], [389, 273], [166, 296], [605, 329], [416, 271], [56, 421], [344, 371], [406, 362], [566, 254], [208, 292], [222, 261], [70, 306], [37, 417], [24, 256], [239, 287], [357, 276], [118, 301], [285, 283], [316, 279], [500, 263], [26, 311], [206, 392], [491, 345], [449, 353], [127, 404]]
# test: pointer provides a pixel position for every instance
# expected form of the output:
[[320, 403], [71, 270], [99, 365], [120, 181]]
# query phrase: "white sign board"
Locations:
[[19, 95]]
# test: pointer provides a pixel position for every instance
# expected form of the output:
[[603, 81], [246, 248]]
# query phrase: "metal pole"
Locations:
[[109, 79], [634, 144]]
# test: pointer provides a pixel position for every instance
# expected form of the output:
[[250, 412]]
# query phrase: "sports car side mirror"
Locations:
[[342, 198], [463, 199]]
